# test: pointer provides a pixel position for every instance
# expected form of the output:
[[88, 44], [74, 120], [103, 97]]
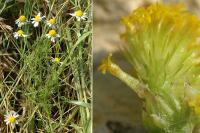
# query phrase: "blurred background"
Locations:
[[117, 109]]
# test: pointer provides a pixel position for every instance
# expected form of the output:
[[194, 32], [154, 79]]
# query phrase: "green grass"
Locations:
[[49, 97]]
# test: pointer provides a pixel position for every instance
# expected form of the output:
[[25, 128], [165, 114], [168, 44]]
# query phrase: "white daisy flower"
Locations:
[[51, 22], [56, 60], [19, 33], [21, 21], [79, 14], [36, 20], [52, 35], [11, 118]]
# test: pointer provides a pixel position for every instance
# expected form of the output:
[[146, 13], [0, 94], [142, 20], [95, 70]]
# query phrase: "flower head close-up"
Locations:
[[56, 60], [79, 14], [166, 34], [36, 20], [11, 118], [161, 43], [19, 33], [52, 34], [51, 22], [22, 20]]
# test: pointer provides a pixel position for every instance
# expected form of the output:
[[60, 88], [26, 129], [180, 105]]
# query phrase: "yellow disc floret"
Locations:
[[174, 16], [78, 13], [22, 18], [56, 60], [52, 21], [37, 18], [11, 119], [106, 64], [52, 33], [20, 32]]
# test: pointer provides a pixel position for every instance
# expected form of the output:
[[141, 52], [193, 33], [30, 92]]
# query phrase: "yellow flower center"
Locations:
[[11, 119], [52, 33], [108, 65], [20, 32], [56, 59], [22, 18], [52, 21], [37, 18], [79, 13], [169, 15]]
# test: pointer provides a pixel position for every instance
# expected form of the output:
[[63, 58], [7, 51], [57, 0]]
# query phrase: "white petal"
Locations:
[[72, 14], [17, 21], [6, 115], [43, 17], [57, 35], [53, 39], [15, 36], [49, 24], [36, 24], [39, 14], [12, 112], [24, 36], [20, 24], [83, 18], [13, 124], [48, 36], [16, 115], [78, 18]]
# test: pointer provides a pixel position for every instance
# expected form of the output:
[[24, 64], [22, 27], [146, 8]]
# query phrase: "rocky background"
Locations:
[[117, 109]]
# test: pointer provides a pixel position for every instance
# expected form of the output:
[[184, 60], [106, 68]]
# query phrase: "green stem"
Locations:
[[115, 70]]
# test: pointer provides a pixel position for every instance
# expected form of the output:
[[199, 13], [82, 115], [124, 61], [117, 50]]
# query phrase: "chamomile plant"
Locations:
[[45, 59]]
